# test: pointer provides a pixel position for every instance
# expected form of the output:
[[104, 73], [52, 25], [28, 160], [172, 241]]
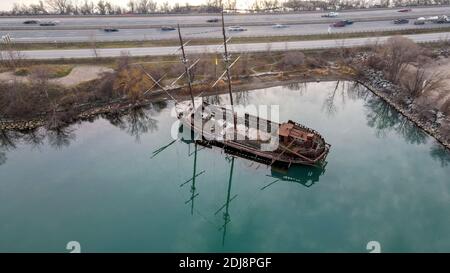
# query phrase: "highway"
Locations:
[[250, 47], [60, 36], [158, 20], [82, 29]]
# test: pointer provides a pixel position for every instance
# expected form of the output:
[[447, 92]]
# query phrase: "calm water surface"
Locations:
[[97, 183]]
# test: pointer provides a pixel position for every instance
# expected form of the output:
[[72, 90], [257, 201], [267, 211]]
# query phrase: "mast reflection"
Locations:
[[303, 175]]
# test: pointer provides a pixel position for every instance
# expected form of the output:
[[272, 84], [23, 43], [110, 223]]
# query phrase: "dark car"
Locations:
[[31, 22], [166, 28], [46, 24], [404, 10], [419, 22], [348, 22], [401, 21], [109, 29], [339, 24], [212, 20]]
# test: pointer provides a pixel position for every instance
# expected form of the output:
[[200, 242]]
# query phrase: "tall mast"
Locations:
[[186, 67], [226, 59]]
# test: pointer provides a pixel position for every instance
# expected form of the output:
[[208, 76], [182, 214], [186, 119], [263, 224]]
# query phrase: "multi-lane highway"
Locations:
[[250, 47], [79, 29], [84, 35], [200, 20]]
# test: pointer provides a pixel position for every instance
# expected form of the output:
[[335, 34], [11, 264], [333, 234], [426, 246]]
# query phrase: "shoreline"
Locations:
[[407, 114], [122, 106]]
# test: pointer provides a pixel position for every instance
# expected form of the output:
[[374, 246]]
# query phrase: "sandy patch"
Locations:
[[79, 74], [10, 77], [82, 73]]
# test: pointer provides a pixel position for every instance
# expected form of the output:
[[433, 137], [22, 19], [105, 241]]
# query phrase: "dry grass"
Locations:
[[54, 71]]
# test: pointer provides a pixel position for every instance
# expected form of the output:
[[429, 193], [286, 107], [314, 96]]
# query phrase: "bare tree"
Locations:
[[40, 80], [397, 53], [165, 7], [416, 81], [291, 60], [269, 4], [146, 6], [101, 7], [9, 56], [256, 7], [132, 6], [38, 8], [230, 4], [109, 8], [59, 6], [87, 8]]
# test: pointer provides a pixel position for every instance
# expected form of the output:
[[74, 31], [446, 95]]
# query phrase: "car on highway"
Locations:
[[236, 28], [419, 22], [110, 29], [167, 28], [348, 22], [401, 21], [339, 24], [212, 20], [49, 23], [405, 10], [331, 14], [280, 26], [342, 23], [442, 19], [31, 22]]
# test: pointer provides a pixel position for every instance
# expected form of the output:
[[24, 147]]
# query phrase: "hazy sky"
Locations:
[[7, 4]]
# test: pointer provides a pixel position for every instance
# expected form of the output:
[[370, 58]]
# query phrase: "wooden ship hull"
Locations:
[[297, 144]]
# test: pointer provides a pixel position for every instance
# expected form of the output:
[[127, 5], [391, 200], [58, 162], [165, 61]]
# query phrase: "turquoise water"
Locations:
[[97, 183]]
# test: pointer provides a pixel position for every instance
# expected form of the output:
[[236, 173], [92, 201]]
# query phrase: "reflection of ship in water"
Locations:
[[304, 175]]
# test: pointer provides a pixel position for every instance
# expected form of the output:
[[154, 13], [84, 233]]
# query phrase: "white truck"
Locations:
[[331, 14]]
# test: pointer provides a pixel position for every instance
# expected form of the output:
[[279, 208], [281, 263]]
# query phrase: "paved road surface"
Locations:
[[79, 29], [83, 22], [59, 36], [251, 47]]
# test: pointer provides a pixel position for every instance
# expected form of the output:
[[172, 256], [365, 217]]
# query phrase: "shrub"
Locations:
[[291, 60], [22, 72]]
